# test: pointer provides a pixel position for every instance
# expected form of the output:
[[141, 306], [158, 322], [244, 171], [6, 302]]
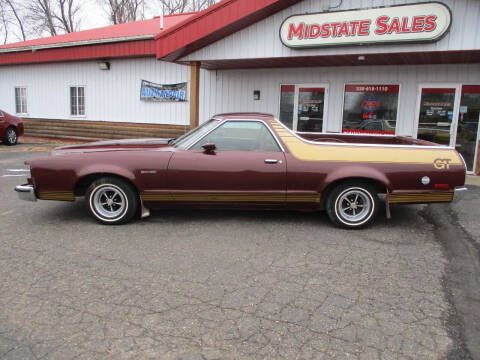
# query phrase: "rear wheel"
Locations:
[[10, 137], [352, 205], [112, 201]]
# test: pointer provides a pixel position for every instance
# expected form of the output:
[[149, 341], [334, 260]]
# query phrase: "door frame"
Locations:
[[477, 139], [456, 106], [326, 86]]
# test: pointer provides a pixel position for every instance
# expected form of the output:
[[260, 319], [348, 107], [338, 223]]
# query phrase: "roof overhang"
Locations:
[[75, 43], [403, 58], [213, 24], [103, 50]]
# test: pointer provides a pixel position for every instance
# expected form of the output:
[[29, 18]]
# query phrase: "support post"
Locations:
[[194, 93]]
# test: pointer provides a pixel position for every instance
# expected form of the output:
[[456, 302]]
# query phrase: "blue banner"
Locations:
[[157, 92]]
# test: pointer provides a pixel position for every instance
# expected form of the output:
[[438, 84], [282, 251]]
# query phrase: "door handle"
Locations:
[[271, 161]]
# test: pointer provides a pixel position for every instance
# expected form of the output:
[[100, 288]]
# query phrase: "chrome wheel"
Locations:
[[11, 136], [354, 205], [109, 202], [112, 200]]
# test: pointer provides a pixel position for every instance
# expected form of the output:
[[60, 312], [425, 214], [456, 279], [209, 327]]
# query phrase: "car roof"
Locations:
[[244, 116]]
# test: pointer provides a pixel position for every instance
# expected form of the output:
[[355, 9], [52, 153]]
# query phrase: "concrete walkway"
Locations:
[[473, 180]]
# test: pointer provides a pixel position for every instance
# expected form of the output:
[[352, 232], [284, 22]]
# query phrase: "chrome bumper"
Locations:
[[461, 188], [26, 192]]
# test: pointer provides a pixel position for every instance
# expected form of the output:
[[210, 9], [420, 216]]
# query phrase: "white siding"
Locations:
[[261, 40], [112, 95], [232, 90]]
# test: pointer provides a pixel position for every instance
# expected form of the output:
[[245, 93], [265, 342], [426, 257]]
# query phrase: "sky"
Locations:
[[92, 16]]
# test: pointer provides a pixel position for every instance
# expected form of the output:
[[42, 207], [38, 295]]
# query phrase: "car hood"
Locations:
[[113, 145]]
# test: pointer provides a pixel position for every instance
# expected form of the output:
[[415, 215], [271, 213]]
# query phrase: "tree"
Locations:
[[40, 13], [121, 11], [66, 17], [53, 16], [181, 6], [11, 19], [4, 22]]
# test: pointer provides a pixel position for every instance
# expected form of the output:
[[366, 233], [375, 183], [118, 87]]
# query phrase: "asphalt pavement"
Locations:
[[188, 284]]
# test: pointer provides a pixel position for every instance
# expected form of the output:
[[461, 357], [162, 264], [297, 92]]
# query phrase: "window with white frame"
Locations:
[[77, 100], [21, 100]]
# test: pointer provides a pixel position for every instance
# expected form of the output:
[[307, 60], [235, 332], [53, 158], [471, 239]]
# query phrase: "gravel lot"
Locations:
[[219, 285]]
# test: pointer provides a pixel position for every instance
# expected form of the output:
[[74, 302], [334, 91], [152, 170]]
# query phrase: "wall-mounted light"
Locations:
[[104, 65], [256, 95]]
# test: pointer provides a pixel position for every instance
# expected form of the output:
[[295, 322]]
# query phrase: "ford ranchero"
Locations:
[[248, 160]]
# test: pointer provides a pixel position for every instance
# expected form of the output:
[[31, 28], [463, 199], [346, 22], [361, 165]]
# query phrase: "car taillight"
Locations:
[[442, 186]]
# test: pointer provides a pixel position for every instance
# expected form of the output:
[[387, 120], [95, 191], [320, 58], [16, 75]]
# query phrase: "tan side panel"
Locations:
[[305, 151]]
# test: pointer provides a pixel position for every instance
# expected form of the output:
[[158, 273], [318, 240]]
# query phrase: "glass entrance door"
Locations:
[[311, 103], [302, 107], [436, 115], [467, 128]]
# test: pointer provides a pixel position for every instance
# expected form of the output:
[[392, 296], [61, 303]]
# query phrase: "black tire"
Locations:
[[352, 204], [10, 137], [111, 201]]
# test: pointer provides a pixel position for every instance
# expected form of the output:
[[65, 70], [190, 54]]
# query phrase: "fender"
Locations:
[[357, 171], [105, 168]]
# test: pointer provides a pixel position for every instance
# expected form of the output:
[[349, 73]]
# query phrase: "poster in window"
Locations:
[[370, 109]]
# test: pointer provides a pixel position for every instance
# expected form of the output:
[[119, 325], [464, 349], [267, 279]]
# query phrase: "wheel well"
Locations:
[[379, 186], [83, 183]]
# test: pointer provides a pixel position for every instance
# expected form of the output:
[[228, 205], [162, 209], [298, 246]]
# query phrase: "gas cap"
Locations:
[[425, 180]]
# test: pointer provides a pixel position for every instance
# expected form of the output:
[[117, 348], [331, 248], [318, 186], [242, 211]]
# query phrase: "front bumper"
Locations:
[[26, 192]]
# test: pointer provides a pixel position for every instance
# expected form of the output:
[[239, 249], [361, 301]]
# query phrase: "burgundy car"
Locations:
[[11, 127], [248, 161]]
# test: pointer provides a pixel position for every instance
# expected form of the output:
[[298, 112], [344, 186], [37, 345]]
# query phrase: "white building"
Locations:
[[378, 66]]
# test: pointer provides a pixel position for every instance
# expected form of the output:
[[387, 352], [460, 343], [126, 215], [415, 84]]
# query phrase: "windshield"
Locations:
[[183, 141]]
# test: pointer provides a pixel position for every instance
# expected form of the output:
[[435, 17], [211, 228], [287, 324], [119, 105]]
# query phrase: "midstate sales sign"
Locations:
[[421, 22]]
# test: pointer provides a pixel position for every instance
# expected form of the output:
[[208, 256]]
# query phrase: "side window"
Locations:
[[20, 100], [1, 114], [240, 136], [77, 100]]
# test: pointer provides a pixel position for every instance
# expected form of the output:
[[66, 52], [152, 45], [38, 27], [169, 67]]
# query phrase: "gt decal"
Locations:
[[441, 164]]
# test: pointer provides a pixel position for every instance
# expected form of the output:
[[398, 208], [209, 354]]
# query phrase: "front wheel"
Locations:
[[352, 205], [112, 201], [10, 136]]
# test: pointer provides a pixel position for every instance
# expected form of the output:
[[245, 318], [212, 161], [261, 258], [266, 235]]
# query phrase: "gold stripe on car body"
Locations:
[[301, 198], [228, 197], [405, 198], [307, 151], [56, 195]]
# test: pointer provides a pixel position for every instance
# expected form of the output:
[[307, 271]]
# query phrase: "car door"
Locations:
[[3, 124], [247, 166]]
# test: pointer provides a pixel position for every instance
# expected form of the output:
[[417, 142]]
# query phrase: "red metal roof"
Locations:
[[125, 32], [213, 24], [132, 39]]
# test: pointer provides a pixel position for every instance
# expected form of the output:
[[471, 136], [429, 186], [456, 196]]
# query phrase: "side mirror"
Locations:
[[209, 147]]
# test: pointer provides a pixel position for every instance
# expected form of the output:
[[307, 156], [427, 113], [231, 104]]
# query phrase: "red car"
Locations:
[[248, 161], [11, 127]]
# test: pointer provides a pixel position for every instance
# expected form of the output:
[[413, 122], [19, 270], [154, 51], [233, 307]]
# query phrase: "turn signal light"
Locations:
[[442, 186]]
